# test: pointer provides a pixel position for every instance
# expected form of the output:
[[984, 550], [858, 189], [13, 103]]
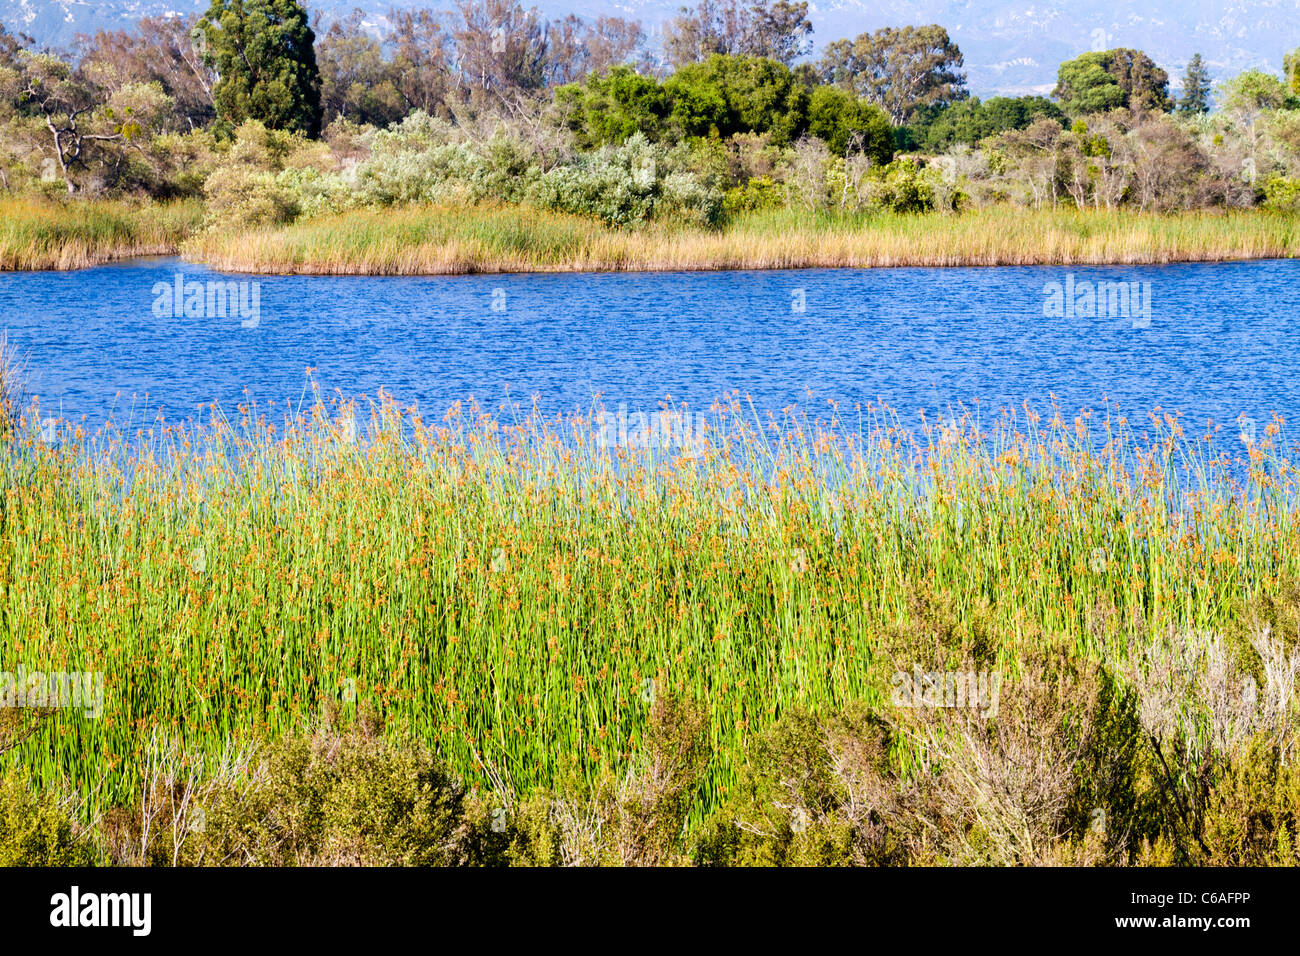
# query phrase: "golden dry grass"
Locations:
[[73, 235], [490, 239], [432, 240]]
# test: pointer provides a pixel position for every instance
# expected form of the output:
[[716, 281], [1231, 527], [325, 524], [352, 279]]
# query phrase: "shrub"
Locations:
[[684, 199], [1252, 813], [817, 791], [902, 186], [390, 178], [36, 830], [599, 188], [309, 192], [184, 163], [246, 186], [419, 161], [1282, 194], [637, 819], [631, 183], [350, 798], [241, 196], [757, 194], [1061, 773]]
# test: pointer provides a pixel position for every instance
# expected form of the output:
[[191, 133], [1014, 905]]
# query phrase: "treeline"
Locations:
[[269, 117]]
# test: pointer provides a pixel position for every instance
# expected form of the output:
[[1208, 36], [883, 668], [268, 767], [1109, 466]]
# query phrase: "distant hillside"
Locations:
[[1009, 46]]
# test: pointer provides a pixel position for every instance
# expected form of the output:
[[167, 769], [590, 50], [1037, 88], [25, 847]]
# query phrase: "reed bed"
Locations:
[[490, 239], [434, 240], [76, 234], [517, 594]]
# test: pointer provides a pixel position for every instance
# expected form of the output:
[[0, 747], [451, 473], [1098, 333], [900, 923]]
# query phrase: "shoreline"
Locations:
[[608, 269], [500, 240], [326, 272]]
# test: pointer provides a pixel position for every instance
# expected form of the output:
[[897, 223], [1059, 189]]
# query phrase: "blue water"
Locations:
[[1221, 341]]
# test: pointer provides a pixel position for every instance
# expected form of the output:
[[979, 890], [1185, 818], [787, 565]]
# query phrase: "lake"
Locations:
[[1216, 342]]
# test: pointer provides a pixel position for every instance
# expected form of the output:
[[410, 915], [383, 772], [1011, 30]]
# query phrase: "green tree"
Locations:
[[1004, 112], [357, 83], [1084, 85], [611, 107], [1253, 92], [903, 71], [72, 127], [722, 97], [969, 121], [738, 94], [1111, 79], [1145, 85], [1195, 97], [1245, 99], [1291, 67], [266, 68], [842, 120]]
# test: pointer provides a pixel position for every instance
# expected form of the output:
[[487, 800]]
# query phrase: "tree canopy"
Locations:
[[969, 121], [1104, 80], [265, 58], [721, 97], [779, 30], [1195, 95], [902, 70], [846, 123]]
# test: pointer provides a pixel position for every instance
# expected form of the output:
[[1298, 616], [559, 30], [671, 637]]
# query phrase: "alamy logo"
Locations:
[[73, 909], [214, 299], [1116, 300], [662, 429], [948, 689], [57, 689]]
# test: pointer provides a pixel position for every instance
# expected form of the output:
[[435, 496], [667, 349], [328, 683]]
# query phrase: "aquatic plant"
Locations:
[[515, 591], [37, 234], [442, 239]]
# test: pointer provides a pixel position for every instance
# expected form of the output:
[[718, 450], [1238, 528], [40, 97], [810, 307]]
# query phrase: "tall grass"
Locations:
[[438, 240], [517, 595], [37, 234], [494, 238], [13, 382]]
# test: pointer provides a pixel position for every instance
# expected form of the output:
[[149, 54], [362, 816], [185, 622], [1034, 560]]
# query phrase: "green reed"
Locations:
[[517, 592]]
